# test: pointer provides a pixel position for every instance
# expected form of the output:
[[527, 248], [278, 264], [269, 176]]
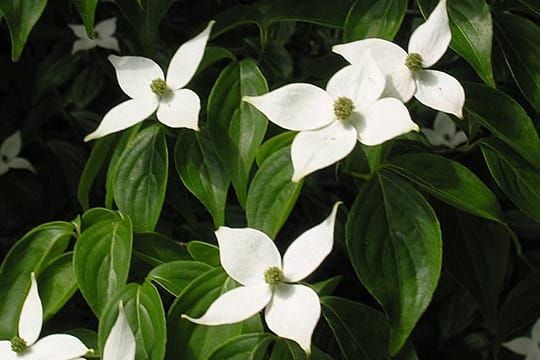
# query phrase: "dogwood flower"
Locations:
[[120, 344], [250, 257], [103, 36], [406, 73], [527, 346], [10, 148], [330, 122], [444, 132], [143, 81], [52, 347]]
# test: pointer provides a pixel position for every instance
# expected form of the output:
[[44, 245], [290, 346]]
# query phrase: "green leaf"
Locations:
[[145, 315], [273, 144], [204, 252], [202, 173], [361, 331], [95, 215], [87, 10], [521, 56], [87, 85], [449, 181], [476, 255], [519, 180], [141, 179], [236, 128], [472, 33], [213, 54], [321, 12], [394, 242], [21, 16], [31, 253], [155, 248], [272, 195], [243, 347], [174, 276], [505, 118], [101, 261], [57, 284], [374, 19]]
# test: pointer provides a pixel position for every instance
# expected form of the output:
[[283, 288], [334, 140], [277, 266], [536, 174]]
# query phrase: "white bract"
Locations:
[[527, 346], [10, 148], [25, 347], [406, 73], [120, 344], [143, 81], [330, 122], [250, 257], [103, 36], [445, 132]]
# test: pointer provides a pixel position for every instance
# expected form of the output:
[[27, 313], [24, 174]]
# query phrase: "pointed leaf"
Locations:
[[57, 284], [374, 19], [155, 248], [87, 10], [174, 276], [243, 347]]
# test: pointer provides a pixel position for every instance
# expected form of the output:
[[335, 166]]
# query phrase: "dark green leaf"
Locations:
[[204, 252], [394, 242], [57, 284], [87, 10], [174, 276], [243, 347], [273, 144], [155, 248], [321, 12], [374, 19]]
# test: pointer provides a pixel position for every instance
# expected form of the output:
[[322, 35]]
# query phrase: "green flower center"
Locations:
[[18, 345], [414, 61], [343, 108], [273, 275], [159, 87]]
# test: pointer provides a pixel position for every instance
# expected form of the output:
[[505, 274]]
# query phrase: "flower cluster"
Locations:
[[9, 151]]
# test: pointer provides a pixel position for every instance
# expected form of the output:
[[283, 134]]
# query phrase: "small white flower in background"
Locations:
[[406, 72], [143, 81], [103, 36], [445, 132], [250, 257], [120, 344], [52, 347], [330, 122], [527, 346], [10, 148]]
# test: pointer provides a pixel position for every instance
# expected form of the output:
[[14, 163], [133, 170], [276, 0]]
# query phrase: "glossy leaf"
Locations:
[[202, 173], [145, 315], [273, 144], [101, 261], [361, 332], [29, 254], [395, 250], [243, 347], [236, 128], [57, 284], [374, 19], [272, 195], [155, 248], [321, 12], [87, 10], [95, 215], [141, 179], [494, 109], [204, 252], [174, 276]]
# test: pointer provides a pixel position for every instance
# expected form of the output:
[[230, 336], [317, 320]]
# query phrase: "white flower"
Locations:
[[250, 257], [527, 346], [11, 147], [330, 122], [52, 347], [143, 81], [444, 132], [120, 344], [103, 32], [406, 74]]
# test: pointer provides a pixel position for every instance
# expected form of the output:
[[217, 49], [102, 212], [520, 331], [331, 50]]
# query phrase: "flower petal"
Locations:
[[363, 82], [535, 331], [246, 254], [521, 345], [296, 106], [11, 147], [79, 31], [20, 163], [390, 58], [4, 167], [440, 91], [57, 347], [458, 139], [5, 351], [180, 109], [293, 313], [82, 44], [31, 316], [187, 58], [317, 149], [444, 125], [235, 305], [433, 137], [120, 343], [123, 116], [309, 250], [108, 43], [431, 39], [135, 74], [382, 121], [106, 27]]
